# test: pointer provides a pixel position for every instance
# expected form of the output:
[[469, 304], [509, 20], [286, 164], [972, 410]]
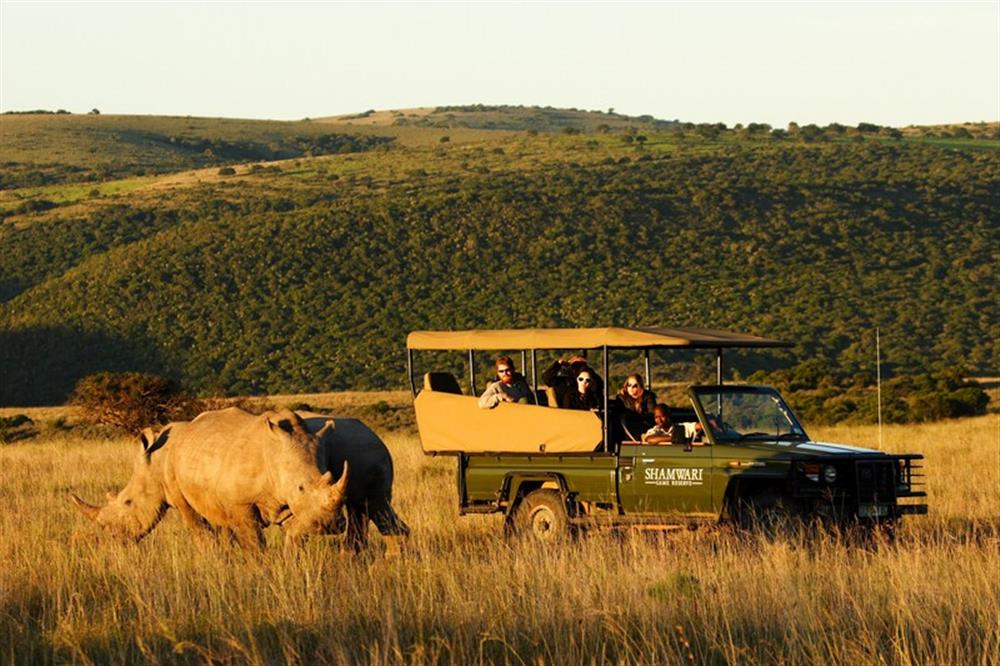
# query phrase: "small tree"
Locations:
[[95, 112], [132, 400]]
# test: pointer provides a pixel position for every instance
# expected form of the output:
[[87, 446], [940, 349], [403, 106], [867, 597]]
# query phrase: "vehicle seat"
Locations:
[[551, 399], [442, 382], [541, 398]]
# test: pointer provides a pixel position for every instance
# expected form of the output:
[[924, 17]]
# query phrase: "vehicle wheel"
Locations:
[[768, 514], [541, 517]]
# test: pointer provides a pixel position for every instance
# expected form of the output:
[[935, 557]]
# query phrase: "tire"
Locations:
[[541, 518], [768, 514]]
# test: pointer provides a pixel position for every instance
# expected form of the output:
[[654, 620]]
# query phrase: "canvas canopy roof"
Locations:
[[585, 338]]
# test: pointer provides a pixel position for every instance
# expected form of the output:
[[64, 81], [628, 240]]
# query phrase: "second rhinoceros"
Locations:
[[348, 443], [228, 470]]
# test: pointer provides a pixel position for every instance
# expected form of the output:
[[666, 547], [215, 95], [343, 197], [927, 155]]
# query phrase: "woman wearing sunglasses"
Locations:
[[586, 395], [511, 386], [633, 397]]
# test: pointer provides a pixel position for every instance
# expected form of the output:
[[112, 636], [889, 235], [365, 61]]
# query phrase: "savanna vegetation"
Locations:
[[305, 274], [462, 594], [43, 149]]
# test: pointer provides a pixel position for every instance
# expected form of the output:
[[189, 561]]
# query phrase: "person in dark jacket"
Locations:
[[633, 397], [562, 374], [584, 396]]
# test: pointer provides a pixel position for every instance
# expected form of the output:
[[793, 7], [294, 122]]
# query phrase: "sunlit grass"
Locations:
[[462, 594]]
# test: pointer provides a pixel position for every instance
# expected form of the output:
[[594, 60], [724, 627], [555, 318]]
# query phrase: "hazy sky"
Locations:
[[888, 63]]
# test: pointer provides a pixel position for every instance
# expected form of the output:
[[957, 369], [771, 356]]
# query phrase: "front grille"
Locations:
[[876, 480]]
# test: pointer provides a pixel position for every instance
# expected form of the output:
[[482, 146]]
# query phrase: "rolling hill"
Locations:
[[304, 273]]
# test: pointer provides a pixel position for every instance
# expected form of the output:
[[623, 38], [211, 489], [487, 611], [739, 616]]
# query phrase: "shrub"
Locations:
[[227, 171], [132, 400], [13, 428]]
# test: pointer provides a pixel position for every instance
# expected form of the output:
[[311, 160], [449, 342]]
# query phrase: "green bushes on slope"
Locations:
[[303, 290]]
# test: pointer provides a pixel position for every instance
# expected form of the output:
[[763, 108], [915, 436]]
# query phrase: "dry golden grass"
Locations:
[[385, 117], [463, 595]]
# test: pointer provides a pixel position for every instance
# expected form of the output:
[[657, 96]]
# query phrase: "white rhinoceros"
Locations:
[[227, 470], [344, 443]]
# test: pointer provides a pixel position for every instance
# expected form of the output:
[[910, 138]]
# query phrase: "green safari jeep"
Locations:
[[737, 453]]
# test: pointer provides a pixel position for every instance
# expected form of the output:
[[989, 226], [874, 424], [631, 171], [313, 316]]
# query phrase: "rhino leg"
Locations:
[[394, 546], [190, 517], [245, 528], [386, 520], [357, 527]]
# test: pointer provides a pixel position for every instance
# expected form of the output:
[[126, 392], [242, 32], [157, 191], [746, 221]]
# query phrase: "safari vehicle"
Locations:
[[738, 455]]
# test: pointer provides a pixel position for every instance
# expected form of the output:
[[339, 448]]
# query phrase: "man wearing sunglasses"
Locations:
[[511, 386]]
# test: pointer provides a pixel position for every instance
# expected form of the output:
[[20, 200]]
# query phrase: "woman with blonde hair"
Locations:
[[633, 397]]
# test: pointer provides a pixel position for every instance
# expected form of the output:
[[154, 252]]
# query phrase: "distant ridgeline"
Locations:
[[309, 279], [94, 148]]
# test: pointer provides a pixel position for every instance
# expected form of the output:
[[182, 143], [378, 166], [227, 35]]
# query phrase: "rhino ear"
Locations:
[[329, 426]]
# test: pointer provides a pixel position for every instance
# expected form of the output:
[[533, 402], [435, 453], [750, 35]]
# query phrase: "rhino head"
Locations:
[[139, 506], [314, 503]]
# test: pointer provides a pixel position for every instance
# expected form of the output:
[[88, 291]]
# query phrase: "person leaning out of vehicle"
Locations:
[[633, 397], [511, 386]]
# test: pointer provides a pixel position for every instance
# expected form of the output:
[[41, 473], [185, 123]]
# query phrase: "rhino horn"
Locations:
[[88, 510], [341, 485]]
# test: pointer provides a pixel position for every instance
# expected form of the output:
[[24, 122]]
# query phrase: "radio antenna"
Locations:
[[878, 383]]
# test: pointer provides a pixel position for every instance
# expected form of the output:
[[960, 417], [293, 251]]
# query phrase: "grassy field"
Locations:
[[461, 594]]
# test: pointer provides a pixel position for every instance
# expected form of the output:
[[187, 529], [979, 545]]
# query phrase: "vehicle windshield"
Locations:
[[741, 413]]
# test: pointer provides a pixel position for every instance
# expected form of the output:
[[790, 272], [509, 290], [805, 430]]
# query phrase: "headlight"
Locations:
[[829, 473]]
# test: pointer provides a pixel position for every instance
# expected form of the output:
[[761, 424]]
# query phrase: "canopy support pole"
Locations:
[[534, 372], [718, 366], [604, 364], [472, 372], [649, 377], [409, 372]]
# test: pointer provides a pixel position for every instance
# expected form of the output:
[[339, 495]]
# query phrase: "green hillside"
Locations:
[[38, 150], [305, 275]]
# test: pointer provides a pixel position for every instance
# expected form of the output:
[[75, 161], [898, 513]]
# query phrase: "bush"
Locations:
[[132, 400], [13, 428], [227, 171]]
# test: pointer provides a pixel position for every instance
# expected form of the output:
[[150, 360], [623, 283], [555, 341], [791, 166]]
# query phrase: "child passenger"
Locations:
[[660, 432]]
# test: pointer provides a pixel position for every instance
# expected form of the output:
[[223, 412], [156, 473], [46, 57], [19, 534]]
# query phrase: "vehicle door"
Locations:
[[665, 479]]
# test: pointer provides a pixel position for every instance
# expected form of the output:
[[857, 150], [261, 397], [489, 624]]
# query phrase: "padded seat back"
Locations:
[[541, 398], [551, 397], [442, 382]]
